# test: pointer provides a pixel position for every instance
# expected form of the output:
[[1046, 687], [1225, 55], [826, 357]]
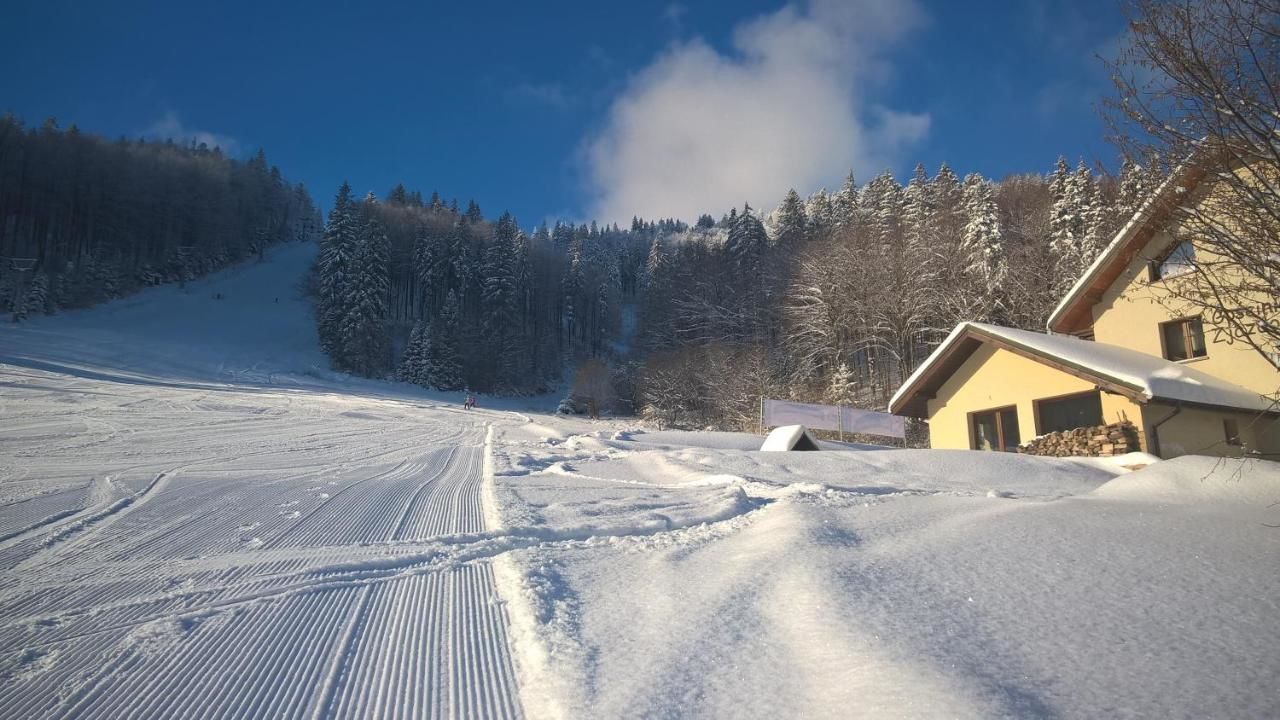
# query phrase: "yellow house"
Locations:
[[1119, 350]]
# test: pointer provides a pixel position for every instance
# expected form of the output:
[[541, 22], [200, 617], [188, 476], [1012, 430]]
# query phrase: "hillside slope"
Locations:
[[247, 323]]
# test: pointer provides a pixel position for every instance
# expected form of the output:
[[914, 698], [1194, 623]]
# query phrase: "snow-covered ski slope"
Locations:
[[197, 523], [197, 519]]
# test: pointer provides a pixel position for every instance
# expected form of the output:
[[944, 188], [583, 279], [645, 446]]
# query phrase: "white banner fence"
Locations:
[[774, 413]]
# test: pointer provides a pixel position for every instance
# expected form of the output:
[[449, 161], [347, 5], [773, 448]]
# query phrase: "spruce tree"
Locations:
[[38, 294], [413, 364], [844, 206], [498, 303], [398, 195], [819, 210], [443, 369], [747, 242], [363, 332], [983, 244], [336, 249], [1065, 227], [918, 209], [793, 223], [1092, 215]]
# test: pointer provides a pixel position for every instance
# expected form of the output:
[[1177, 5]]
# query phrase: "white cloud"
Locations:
[[701, 131], [170, 127]]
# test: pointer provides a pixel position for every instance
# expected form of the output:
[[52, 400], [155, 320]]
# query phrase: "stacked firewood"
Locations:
[[1102, 440]]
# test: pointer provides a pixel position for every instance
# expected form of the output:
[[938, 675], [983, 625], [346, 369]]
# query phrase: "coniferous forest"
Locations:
[[84, 219], [831, 298]]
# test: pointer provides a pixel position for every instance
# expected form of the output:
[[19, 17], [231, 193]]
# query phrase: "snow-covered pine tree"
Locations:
[[498, 312], [945, 190], [918, 209], [443, 369], [1076, 224], [844, 206], [983, 246], [1092, 216], [884, 203], [820, 212], [1066, 226], [37, 300], [363, 332], [747, 242], [793, 224], [336, 248], [413, 364], [425, 249], [527, 357]]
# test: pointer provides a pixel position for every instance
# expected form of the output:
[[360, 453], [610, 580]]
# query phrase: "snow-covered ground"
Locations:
[[198, 520]]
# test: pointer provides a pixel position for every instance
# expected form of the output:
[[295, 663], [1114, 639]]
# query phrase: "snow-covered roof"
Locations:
[[789, 437], [1142, 376]]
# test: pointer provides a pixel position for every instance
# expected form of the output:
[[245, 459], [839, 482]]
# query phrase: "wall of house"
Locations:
[[993, 378], [1130, 312], [1198, 431]]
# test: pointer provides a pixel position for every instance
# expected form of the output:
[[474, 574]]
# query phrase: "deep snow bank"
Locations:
[[886, 584]]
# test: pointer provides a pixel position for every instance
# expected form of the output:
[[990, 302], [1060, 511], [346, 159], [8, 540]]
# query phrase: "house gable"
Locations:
[[1133, 309]]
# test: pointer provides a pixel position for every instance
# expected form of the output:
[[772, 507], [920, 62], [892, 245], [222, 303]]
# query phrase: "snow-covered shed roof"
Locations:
[[789, 437], [1073, 313], [1141, 377]]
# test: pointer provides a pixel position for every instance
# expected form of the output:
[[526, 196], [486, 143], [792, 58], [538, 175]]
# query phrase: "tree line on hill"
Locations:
[[838, 297], [84, 219], [833, 298], [444, 298]]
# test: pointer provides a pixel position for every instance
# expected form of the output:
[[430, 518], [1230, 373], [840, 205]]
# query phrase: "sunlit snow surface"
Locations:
[[197, 519]]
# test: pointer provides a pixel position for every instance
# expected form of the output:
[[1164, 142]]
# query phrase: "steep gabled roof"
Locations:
[[1074, 312], [1136, 375]]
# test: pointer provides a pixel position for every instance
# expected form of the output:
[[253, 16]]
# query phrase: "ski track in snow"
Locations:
[[291, 564], [205, 549]]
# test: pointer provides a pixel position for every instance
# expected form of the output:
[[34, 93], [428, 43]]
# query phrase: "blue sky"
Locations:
[[577, 108]]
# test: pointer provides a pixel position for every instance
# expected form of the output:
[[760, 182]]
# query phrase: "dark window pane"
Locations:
[[1232, 430], [1009, 425], [1070, 413], [1175, 347]]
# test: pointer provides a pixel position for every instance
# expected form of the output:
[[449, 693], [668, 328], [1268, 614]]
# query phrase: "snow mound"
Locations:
[[1196, 479]]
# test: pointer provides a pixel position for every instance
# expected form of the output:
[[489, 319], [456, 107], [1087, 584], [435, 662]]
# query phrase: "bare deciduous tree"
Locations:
[[1199, 83]]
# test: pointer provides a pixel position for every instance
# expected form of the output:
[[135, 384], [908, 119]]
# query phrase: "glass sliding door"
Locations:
[[996, 430]]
